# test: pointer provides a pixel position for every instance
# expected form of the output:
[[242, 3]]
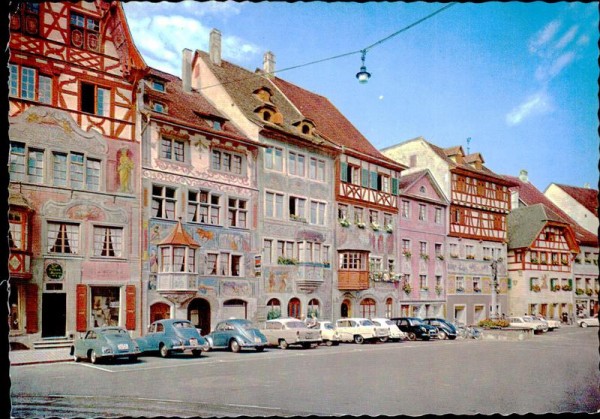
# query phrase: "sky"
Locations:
[[519, 79]]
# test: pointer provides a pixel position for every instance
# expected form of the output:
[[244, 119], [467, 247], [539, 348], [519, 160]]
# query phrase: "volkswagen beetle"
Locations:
[[235, 334]]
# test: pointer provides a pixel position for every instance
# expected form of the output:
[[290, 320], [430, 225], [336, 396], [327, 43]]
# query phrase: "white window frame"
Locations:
[[274, 159], [227, 162], [172, 149], [199, 209], [108, 236], [296, 164], [28, 84], [77, 173], [164, 201], [237, 214], [318, 211], [73, 235], [274, 209]]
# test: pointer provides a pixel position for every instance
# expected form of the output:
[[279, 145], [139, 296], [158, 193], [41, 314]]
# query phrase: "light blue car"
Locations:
[[103, 343], [172, 335], [235, 334]]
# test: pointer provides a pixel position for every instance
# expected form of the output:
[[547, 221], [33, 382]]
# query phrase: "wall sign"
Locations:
[[54, 271]]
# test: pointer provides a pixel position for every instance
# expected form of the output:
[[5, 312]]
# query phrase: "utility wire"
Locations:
[[335, 57]]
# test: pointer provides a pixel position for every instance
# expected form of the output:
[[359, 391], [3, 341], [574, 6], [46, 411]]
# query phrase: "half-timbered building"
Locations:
[[74, 169], [479, 203]]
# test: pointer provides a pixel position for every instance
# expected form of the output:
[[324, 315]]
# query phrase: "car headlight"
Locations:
[[107, 350], [422, 329]]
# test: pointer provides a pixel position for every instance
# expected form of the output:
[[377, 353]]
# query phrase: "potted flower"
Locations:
[[360, 224], [388, 228], [566, 287], [440, 256], [588, 292], [375, 226], [407, 288], [344, 222], [536, 288], [579, 291], [407, 253], [424, 256], [487, 258], [565, 262], [577, 260], [282, 260], [556, 288], [476, 289], [425, 288], [273, 314], [438, 289], [470, 256], [454, 255], [326, 264], [534, 260], [460, 289]]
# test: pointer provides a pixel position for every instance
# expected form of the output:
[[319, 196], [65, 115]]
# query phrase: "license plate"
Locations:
[[122, 346], [194, 342]]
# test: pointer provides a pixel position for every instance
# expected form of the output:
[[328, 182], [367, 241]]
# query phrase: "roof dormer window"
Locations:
[[159, 107], [266, 115], [264, 94], [157, 85], [305, 127]]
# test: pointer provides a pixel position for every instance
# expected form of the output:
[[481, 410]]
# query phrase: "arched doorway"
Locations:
[[294, 308], [235, 309], [199, 315], [346, 309], [314, 308], [367, 308], [159, 311], [273, 309]]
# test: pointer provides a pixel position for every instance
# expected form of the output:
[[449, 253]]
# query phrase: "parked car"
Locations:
[[289, 331], [329, 333], [528, 322], [169, 336], [236, 334], [359, 330], [588, 321], [395, 334], [446, 330], [552, 324], [105, 343], [415, 328]]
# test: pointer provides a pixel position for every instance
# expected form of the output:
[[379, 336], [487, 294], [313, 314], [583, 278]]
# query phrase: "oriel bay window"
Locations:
[[62, 238], [108, 241], [353, 261], [177, 259], [203, 207], [17, 233]]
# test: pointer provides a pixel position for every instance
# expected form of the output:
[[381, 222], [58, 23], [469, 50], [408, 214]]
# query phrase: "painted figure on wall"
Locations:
[[125, 168]]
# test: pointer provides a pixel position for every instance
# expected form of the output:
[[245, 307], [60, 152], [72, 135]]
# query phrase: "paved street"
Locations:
[[555, 372]]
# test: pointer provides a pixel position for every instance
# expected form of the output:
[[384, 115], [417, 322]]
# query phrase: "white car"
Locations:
[[588, 321], [395, 333], [359, 330], [552, 324], [528, 322], [289, 331], [329, 334]]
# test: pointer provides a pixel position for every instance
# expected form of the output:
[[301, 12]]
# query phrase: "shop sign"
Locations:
[[54, 271]]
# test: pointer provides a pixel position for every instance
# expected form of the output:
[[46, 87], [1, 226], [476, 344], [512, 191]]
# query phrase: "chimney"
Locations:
[[186, 70], [269, 64], [523, 176], [586, 185], [214, 47]]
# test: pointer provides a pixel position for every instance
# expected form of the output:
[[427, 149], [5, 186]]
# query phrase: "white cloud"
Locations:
[[535, 104], [544, 36], [583, 40], [567, 37]]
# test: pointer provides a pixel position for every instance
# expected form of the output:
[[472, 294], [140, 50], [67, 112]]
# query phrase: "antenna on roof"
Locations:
[[468, 142]]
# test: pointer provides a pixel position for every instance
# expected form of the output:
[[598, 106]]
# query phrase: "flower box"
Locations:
[[487, 258], [344, 222], [440, 257], [566, 288], [424, 256], [360, 224], [407, 288], [407, 253], [556, 288], [536, 288], [375, 226], [460, 289], [454, 255], [286, 261], [579, 291], [470, 256], [588, 292]]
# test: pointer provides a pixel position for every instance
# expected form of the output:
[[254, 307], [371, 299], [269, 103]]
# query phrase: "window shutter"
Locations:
[[509, 283], [394, 186], [374, 180], [81, 307], [130, 307], [571, 283], [31, 308], [365, 178], [344, 171]]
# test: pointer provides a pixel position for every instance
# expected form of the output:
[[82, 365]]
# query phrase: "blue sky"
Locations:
[[519, 79]]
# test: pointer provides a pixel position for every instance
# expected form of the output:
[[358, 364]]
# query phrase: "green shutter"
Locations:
[[374, 180], [365, 178], [344, 171], [394, 186], [570, 283], [509, 283]]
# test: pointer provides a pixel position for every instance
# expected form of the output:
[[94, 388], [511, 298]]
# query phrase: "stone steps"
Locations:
[[51, 343]]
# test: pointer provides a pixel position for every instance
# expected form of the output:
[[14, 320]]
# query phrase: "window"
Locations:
[[297, 207], [387, 220], [470, 251], [158, 107], [350, 173], [223, 264], [325, 255], [17, 233], [204, 207], [358, 215], [274, 205], [267, 252], [453, 250], [375, 264], [438, 216], [26, 18], [285, 249], [423, 283], [405, 245], [352, 261], [422, 212], [460, 284], [26, 83], [342, 212], [85, 32], [367, 308], [177, 259], [405, 209], [388, 308], [227, 162], [94, 99], [316, 169], [163, 202], [438, 250], [108, 241], [157, 85], [296, 164], [317, 212], [172, 149], [274, 159], [75, 170], [237, 212], [423, 248], [374, 217], [476, 284], [63, 238], [391, 266]]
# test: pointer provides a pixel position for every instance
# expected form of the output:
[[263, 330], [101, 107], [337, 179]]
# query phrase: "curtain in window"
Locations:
[[179, 259], [107, 245]]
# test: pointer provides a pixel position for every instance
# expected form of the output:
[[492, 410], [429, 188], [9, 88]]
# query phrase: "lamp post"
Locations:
[[494, 265]]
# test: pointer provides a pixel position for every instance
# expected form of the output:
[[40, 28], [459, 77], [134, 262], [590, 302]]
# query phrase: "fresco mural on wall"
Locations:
[[208, 286], [236, 289], [277, 281]]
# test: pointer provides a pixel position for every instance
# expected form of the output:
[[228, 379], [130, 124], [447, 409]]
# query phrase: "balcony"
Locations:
[[310, 276], [353, 280], [176, 281]]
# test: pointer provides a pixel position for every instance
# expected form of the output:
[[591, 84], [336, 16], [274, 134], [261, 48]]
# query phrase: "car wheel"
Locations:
[[196, 353], [76, 358], [234, 346], [164, 351], [412, 336], [283, 344], [260, 348], [385, 339], [584, 324], [359, 339], [442, 335], [93, 357], [133, 358], [328, 343]]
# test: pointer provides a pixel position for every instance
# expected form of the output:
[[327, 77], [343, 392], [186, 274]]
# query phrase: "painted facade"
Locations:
[[74, 169]]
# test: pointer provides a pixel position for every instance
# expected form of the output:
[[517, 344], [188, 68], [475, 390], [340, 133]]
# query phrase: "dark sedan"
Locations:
[[446, 330], [415, 328]]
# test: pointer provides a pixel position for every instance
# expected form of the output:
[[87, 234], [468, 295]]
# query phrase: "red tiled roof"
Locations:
[[179, 237], [587, 197], [530, 195]]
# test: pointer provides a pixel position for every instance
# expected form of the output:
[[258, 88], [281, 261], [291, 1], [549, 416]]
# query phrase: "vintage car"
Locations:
[[415, 328], [446, 330], [552, 324], [359, 330], [105, 343], [329, 333], [395, 333], [169, 336], [236, 334], [284, 332], [528, 322], [588, 321]]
